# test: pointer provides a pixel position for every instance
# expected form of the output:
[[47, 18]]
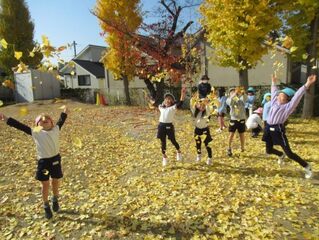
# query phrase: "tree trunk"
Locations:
[[243, 73], [243, 78], [308, 106], [126, 90]]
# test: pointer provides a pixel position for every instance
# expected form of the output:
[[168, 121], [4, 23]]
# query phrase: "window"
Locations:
[[84, 80]]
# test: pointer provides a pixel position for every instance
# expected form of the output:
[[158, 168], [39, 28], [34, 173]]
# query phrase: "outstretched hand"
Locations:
[[274, 79], [183, 93], [311, 80], [3, 117]]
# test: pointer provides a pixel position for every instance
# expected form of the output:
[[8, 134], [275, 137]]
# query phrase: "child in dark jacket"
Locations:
[[204, 88]]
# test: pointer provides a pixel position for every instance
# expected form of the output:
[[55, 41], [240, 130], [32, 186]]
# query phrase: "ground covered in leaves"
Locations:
[[114, 186]]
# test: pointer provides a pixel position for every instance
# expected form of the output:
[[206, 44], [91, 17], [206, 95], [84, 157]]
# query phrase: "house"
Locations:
[[258, 76], [86, 71]]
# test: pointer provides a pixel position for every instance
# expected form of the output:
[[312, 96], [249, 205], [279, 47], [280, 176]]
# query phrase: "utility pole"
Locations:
[[74, 47]]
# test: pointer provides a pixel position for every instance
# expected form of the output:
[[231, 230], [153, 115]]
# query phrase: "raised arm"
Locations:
[[16, 124], [182, 98], [62, 118], [291, 106], [274, 87]]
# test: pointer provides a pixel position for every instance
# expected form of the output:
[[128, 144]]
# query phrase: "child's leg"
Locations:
[[55, 187], [293, 155], [175, 143], [198, 145], [45, 191], [55, 198], [45, 196], [209, 149], [222, 122], [242, 141], [230, 140], [163, 146], [270, 149]]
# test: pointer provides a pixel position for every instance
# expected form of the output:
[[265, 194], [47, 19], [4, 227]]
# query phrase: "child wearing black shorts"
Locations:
[[236, 102], [46, 138]]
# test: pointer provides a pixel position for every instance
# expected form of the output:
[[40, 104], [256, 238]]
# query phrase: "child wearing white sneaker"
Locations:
[[200, 111], [166, 128], [283, 103]]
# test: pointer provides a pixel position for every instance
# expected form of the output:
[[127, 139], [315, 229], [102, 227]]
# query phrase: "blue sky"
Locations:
[[65, 21]]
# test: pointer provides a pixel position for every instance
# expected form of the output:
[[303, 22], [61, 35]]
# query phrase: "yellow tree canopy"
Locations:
[[119, 19], [238, 29]]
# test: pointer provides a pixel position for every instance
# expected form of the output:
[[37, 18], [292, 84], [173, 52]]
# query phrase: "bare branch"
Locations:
[[167, 7]]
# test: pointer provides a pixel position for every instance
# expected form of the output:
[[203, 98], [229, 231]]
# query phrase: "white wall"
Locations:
[[260, 75], [81, 71], [23, 84], [93, 53]]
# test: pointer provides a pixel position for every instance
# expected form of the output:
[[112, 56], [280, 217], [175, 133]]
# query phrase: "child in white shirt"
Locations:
[[166, 128], [254, 122]]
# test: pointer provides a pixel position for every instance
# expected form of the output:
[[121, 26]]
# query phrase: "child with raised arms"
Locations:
[[166, 128], [283, 103], [46, 138]]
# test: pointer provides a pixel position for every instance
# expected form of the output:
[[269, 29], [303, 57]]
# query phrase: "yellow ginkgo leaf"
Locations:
[[1, 103], [77, 142], [18, 55], [4, 43], [37, 129], [31, 54], [45, 40], [304, 56], [62, 107], [72, 73], [23, 111], [293, 49]]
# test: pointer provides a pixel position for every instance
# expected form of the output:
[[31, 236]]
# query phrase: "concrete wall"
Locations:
[[23, 84], [259, 76], [36, 85]]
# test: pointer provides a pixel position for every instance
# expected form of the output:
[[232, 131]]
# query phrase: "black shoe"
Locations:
[[55, 205], [48, 212], [229, 152]]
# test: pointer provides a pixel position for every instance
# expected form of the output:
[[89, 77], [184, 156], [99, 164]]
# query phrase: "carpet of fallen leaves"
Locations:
[[114, 186]]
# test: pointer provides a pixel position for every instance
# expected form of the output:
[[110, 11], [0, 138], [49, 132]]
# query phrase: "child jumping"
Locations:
[[283, 103], [236, 102], [166, 128], [200, 111], [46, 139]]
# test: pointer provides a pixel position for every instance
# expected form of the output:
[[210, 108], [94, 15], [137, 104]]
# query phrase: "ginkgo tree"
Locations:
[[16, 36], [237, 31], [117, 19], [302, 25]]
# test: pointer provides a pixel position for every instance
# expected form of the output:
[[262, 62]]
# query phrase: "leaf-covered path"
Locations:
[[114, 185]]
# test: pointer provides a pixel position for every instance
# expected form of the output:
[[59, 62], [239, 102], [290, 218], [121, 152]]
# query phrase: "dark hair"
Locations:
[[205, 77], [221, 92], [197, 112]]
